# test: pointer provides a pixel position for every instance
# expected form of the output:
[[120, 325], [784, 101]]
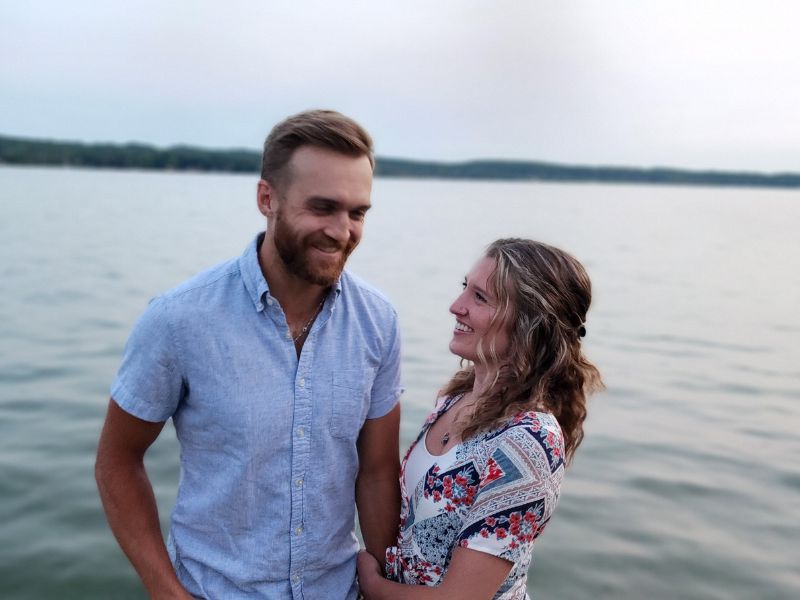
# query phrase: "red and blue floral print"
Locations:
[[495, 494]]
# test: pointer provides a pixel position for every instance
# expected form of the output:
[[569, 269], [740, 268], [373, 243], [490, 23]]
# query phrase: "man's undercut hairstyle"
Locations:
[[326, 129]]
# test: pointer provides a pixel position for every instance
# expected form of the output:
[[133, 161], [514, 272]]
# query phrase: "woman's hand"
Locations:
[[472, 575], [368, 571]]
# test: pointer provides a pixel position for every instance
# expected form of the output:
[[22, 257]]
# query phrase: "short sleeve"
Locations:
[[387, 386], [148, 384], [517, 492]]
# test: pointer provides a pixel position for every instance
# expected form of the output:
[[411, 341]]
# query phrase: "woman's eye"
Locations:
[[464, 284], [480, 297]]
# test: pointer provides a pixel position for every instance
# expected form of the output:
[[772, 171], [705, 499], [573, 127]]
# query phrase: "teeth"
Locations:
[[329, 251], [461, 327]]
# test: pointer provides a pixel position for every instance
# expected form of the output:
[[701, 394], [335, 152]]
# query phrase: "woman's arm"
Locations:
[[472, 575]]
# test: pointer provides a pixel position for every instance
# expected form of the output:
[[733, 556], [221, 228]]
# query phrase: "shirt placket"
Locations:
[[301, 453]]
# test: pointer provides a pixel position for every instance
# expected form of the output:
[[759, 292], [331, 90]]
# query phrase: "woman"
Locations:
[[482, 480]]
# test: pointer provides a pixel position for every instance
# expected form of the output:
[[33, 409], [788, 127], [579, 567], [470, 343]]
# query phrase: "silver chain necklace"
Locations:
[[310, 321]]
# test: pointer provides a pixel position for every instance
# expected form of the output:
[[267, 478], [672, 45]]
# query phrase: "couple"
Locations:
[[280, 371]]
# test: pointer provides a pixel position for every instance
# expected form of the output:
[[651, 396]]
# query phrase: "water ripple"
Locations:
[[704, 343], [25, 373], [674, 488]]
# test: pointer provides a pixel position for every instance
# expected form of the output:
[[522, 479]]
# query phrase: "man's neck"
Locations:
[[296, 296]]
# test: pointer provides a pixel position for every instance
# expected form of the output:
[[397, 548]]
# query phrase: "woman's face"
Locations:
[[474, 310]]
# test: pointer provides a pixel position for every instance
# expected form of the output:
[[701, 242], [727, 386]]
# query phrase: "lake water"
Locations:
[[686, 486]]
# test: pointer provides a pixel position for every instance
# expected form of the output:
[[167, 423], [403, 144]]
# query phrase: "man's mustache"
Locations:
[[323, 242]]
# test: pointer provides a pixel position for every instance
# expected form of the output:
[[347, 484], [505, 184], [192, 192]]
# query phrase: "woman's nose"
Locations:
[[457, 307]]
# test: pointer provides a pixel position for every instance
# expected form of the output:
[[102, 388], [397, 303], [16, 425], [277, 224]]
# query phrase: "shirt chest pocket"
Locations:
[[352, 392]]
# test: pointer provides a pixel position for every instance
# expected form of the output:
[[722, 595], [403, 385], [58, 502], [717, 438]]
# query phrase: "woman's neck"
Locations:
[[482, 380]]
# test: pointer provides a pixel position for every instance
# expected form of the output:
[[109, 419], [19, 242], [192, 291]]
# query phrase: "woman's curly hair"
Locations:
[[543, 295]]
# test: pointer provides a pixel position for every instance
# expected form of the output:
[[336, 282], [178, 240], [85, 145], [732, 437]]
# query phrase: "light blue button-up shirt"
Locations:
[[266, 501]]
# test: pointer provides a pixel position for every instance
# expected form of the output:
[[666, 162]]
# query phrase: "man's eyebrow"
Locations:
[[333, 203], [322, 200]]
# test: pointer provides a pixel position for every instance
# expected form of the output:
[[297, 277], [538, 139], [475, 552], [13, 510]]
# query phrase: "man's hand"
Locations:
[[368, 572]]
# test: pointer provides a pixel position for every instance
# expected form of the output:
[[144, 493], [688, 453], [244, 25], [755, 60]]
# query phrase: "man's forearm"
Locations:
[[377, 486], [378, 502], [130, 507]]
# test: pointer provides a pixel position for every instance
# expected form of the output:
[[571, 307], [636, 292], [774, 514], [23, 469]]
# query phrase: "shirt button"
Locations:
[[300, 432], [299, 483], [270, 301], [298, 530], [302, 383], [295, 577], [288, 334]]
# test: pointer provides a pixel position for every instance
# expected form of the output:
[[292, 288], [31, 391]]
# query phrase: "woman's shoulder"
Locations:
[[532, 421], [532, 429]]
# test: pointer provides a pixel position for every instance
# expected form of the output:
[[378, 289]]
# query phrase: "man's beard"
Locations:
[[293, 251]]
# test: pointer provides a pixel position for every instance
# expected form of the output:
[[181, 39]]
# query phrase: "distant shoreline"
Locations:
[[24, 151]]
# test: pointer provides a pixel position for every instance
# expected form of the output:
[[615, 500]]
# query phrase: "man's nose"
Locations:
[[338, 228]]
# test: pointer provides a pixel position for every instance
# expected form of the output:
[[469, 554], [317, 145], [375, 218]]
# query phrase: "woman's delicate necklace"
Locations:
[[310, 321], [446, 436]]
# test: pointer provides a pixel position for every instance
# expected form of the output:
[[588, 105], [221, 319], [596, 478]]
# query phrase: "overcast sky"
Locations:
[[687, 83]]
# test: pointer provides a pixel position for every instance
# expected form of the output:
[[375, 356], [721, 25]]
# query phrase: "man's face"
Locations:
[[319, 216]]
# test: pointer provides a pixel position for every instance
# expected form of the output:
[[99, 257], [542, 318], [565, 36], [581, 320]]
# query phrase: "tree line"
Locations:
[[22, 151]]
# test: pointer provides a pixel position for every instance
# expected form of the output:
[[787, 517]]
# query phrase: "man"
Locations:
[[280, 372]]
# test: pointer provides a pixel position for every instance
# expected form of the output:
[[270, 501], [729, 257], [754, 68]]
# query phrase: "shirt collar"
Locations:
[[253, 278]]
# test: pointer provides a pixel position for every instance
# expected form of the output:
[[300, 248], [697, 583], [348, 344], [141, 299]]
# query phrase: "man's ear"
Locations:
[[267, 198]]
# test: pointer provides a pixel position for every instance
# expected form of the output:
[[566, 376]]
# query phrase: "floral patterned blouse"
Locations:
[[494, 494]]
